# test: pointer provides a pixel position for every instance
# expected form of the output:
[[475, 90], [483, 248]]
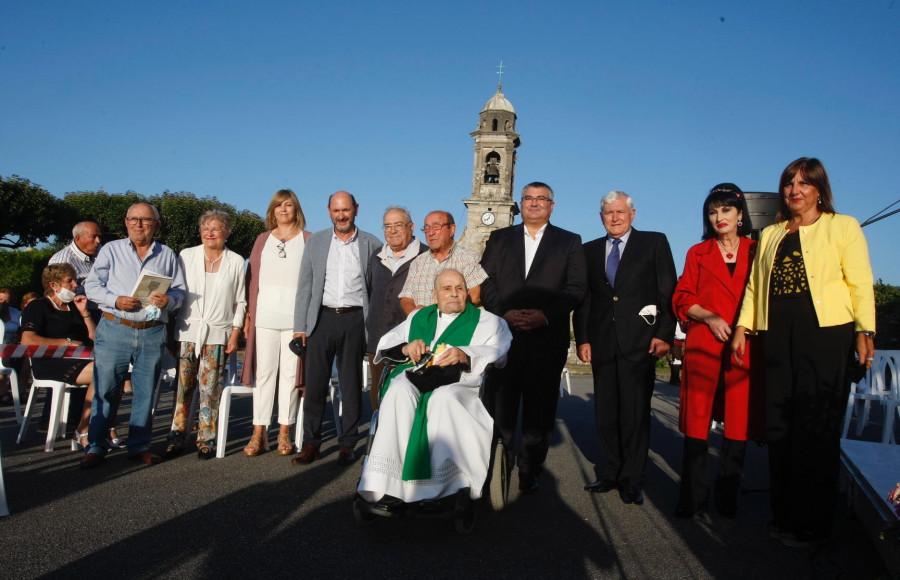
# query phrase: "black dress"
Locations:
[[45, 320]]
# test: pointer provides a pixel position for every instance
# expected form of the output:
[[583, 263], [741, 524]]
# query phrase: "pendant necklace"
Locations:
[[730, 255], [212, 263]]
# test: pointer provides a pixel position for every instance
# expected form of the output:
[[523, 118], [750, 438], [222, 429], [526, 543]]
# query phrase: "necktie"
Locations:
[[612, 262]]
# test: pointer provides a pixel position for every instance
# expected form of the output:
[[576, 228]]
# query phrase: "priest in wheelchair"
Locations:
[[434, 435]]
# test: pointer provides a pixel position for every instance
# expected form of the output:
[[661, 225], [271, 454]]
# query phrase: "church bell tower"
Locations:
[[491, 205]]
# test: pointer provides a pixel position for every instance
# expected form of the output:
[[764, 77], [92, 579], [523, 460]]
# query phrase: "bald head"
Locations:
[[450, 292], [86, 236], [342, 209]]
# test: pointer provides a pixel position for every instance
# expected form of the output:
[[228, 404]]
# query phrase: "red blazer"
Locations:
[[706, 281]]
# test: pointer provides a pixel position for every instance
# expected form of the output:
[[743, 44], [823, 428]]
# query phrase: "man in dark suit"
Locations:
[[332, 302], [536, 277], [624, 324]]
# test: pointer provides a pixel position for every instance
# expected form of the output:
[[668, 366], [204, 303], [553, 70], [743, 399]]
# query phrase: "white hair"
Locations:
[[615, 195]]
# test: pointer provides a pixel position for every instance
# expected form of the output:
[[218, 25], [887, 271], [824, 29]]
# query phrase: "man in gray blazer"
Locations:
[[332, 304]]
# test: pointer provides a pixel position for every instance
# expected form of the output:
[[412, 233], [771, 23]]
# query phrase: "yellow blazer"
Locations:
[[840, 278]]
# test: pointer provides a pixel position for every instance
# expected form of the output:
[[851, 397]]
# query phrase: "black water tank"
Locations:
[[763, 207]]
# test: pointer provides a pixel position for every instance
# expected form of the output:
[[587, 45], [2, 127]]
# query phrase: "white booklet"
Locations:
[[148, 283]]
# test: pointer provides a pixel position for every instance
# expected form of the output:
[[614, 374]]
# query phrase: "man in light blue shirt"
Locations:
[[130, 332]]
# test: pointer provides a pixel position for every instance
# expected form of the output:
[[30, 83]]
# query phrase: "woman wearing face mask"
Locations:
[[62, 319]]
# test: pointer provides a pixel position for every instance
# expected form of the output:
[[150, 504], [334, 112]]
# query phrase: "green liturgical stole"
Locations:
[[417, 463]]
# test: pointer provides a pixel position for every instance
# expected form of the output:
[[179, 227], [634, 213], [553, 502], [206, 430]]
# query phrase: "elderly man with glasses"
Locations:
[[130, 331], [389, 267], [443, 253]]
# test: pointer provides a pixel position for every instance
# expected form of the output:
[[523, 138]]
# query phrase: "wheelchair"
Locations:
[[460, 507]]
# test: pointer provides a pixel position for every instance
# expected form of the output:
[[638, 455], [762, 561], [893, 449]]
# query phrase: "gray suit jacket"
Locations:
[[311, 287]]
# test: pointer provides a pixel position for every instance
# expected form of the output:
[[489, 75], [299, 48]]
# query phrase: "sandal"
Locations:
[[79, 441], [285, 447], [115, 442], [176, 444], [256, 446], [206, 450]]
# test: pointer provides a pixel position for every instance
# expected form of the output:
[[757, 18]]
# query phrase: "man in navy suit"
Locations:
[[624, 324], [536, 277], [332, 303]]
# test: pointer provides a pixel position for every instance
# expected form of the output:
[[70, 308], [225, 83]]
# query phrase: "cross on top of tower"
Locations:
[[500, 68]]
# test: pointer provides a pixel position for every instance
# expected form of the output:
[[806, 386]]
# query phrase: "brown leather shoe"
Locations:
[[91, 460], [146, 457], [308, 454], [346, 456]]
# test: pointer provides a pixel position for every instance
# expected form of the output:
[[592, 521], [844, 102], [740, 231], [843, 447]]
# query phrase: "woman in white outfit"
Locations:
[[208, 328], [272, 280]]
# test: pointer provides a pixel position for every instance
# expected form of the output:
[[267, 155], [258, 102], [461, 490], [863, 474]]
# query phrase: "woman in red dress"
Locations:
[[707, 301]]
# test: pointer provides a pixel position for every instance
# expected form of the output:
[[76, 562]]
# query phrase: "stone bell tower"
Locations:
[[491, 205]]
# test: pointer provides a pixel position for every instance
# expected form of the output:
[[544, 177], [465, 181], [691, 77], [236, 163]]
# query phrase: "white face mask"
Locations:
[[65, 295]]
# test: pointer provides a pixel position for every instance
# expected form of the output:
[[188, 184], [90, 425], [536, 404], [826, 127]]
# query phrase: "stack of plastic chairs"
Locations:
[[880, 385], [13, 381]]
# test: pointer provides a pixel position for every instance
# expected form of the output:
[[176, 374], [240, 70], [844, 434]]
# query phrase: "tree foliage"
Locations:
[[107, 209], [887, 314], [21, 271], [30, 215], [179, 212]]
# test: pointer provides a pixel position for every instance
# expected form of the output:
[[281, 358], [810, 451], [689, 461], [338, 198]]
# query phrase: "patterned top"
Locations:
[[789, 272], [420, 281]]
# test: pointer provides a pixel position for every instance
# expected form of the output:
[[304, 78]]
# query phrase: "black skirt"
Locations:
[[58, 369]]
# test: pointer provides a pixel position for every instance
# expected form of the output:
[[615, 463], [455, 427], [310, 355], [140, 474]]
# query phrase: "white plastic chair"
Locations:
[[565, 383], [334, 393], [58, 406], [233, 386], [4, 509], [875, 387], [13, 381], [167, 375]]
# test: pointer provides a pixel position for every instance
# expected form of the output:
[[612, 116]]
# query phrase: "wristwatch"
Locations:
[[869, 333]]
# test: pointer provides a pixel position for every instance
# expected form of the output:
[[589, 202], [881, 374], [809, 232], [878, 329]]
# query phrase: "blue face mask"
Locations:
[[65, 295], [151, 311]]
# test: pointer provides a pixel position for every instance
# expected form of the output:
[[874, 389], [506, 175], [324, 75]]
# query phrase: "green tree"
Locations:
[[179, 212], [887, 316], [30, 214], [107, 209], [21, 270]]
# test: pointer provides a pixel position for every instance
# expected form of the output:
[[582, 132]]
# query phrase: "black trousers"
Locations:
[[694, 493], [342, 336], [622, 393], [531, 376], [805, 399]]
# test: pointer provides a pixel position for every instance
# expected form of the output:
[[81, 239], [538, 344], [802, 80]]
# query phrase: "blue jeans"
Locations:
[[115, 347]]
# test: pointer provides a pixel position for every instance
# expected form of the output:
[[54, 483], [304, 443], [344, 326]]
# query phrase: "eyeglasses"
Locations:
[[281, 252], [133, 221], [431, 227], [205, 230], [396, 226], [539, 198]]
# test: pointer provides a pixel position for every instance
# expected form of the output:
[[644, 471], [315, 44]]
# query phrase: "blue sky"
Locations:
[[660, 99]]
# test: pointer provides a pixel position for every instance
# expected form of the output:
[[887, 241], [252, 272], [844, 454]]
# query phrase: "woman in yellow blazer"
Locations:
[[811, 296]]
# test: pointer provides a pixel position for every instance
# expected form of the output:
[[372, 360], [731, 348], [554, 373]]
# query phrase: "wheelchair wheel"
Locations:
[[360, 516], [464, 511], [498, 477], [464, 522]]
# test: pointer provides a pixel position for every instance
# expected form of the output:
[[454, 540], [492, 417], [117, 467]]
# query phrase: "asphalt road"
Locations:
[[241, 517]]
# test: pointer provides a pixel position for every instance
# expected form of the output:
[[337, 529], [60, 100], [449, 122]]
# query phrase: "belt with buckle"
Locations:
[[342, 310], [135, 325]]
